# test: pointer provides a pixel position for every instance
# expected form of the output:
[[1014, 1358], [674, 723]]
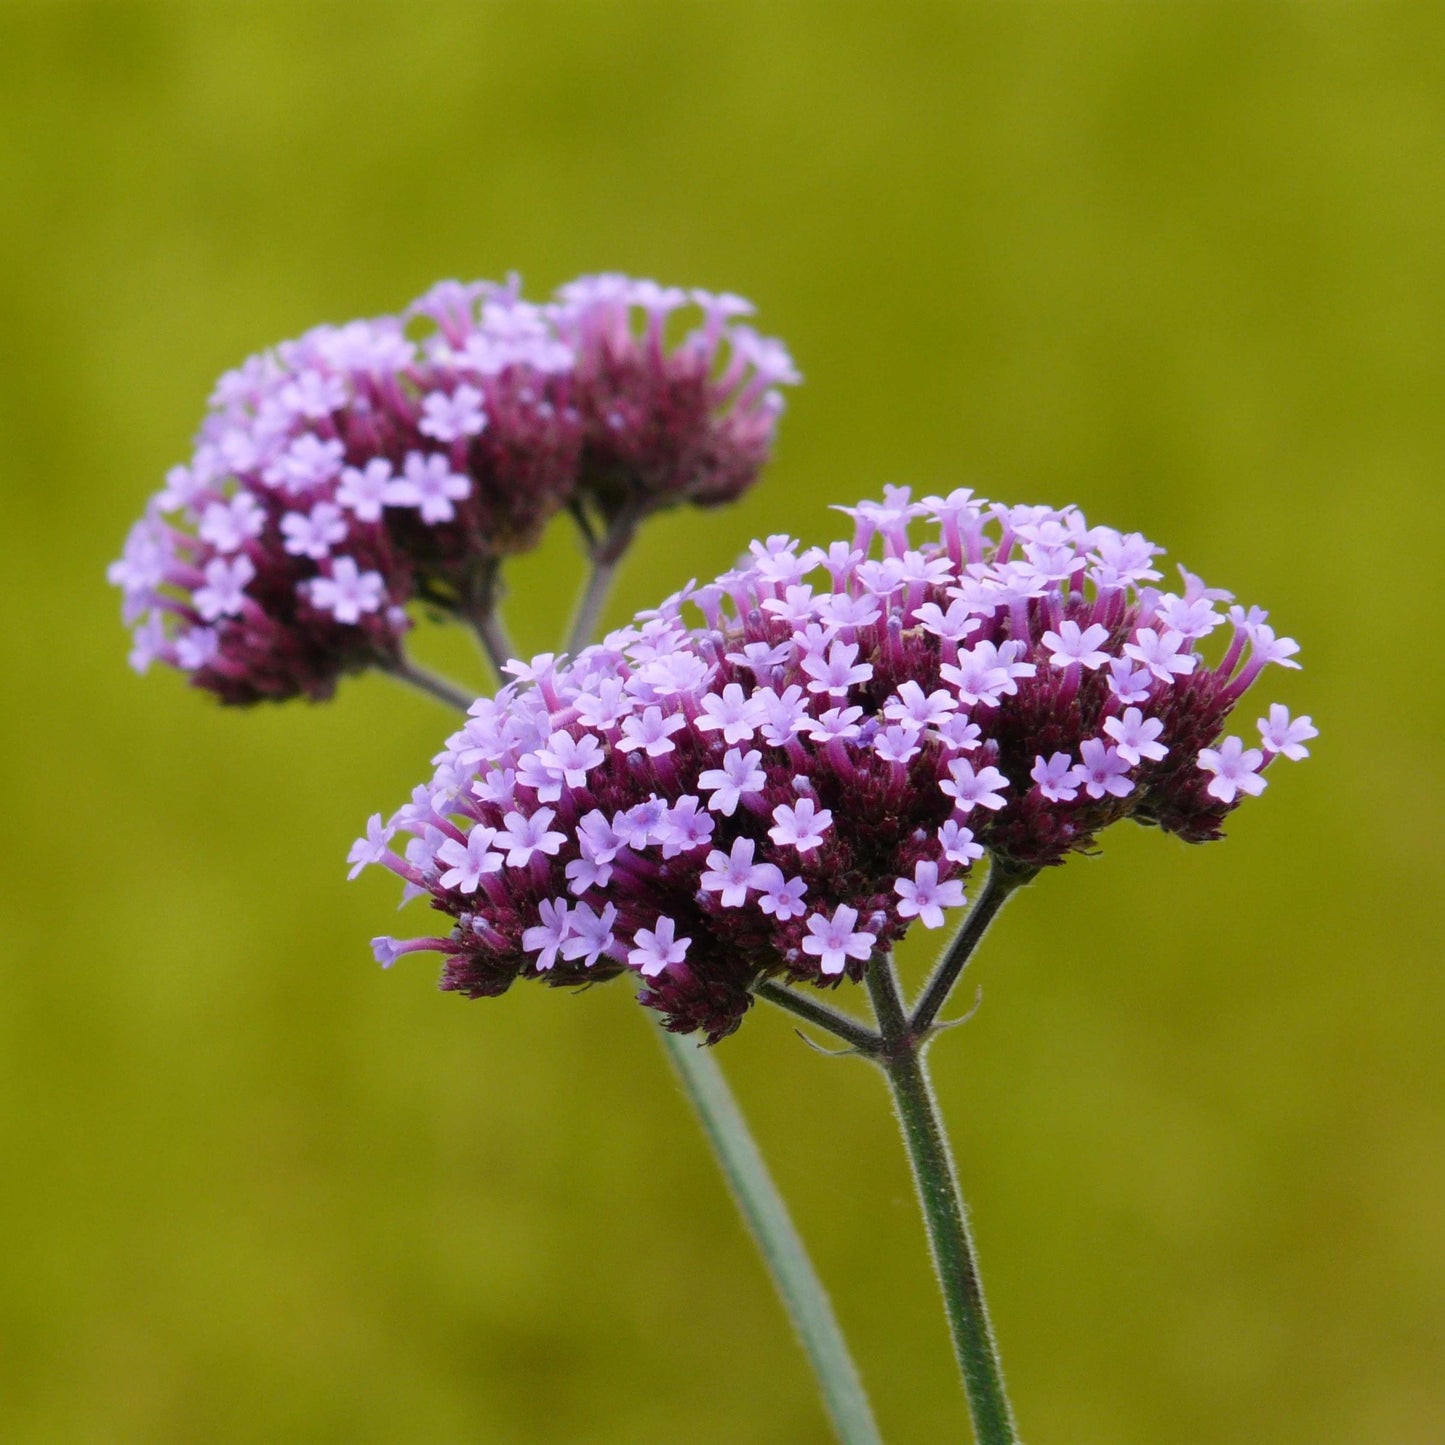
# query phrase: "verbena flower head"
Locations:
[[776, 774], [343, 475]]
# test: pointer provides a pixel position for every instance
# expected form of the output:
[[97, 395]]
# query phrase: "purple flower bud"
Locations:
[[666, 424]]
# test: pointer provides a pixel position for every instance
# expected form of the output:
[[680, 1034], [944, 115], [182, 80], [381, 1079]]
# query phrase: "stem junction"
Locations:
[[898, 1047]]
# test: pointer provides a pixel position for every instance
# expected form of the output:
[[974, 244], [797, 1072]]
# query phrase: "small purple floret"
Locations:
[[763, 779], [345, 475]]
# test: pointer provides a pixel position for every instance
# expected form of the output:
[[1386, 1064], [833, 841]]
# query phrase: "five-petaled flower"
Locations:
[[762, 779], [350, 473]]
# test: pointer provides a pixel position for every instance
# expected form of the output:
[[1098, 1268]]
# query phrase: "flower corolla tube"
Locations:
[[775, 775], [341, 476]]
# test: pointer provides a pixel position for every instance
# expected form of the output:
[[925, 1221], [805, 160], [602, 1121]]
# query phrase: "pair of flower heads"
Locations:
[[768, 777]]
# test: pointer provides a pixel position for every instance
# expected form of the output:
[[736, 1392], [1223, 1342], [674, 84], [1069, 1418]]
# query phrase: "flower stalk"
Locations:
[[898, 1048], [742, 1164], [605, 554], [901, 1058], [481, 614], [858, 1036], [493, 640], [439, 689], [996, 890], [777, 1239], [756, 1195]]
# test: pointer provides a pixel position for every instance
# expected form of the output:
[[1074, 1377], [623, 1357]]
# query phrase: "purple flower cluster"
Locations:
[[781, 789], [692, 423], [343, 475]]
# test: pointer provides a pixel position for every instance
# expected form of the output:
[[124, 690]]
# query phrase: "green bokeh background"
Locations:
[[1179, 264]]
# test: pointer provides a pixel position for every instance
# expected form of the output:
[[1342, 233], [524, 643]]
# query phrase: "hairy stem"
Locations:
[[813, 1011], [777, 1239], [943, 1210], [941, 981]]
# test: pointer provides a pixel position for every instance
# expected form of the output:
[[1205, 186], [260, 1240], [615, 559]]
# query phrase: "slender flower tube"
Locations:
[[362, 468], [771, 777]]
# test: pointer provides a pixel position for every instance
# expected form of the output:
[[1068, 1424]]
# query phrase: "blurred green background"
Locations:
[[1179, 264]]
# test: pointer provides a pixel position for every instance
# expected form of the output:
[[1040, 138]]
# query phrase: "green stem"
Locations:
[[902, 1060], [985, 908], [480, 611], [837, 1023], [439, 688], [589, 608], [777, 1238], [496, 645], [605, 555]]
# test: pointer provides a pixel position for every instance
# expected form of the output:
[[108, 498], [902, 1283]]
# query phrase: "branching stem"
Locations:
[[941, 981], [441, 689], [901, 1058], [842, 1026]]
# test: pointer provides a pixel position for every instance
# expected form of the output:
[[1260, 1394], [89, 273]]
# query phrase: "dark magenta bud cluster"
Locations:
[[774, 775], [342, 476]]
